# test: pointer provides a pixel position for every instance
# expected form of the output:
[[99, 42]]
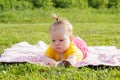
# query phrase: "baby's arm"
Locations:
[[48, 61]]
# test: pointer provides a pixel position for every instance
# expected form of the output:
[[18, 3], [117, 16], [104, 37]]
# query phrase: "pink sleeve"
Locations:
[[82, 45]]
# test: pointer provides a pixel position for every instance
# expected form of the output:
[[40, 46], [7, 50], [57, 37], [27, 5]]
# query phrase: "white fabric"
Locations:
[[25, 52]]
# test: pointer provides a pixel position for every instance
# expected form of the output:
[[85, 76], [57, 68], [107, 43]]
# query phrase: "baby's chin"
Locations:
[[60, 51]]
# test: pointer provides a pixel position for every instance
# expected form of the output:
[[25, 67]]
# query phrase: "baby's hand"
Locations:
[[51, 64], [64, 62], [48, 61]]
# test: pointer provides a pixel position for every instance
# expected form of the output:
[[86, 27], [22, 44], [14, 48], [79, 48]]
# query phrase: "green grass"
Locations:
[[74, 15], [93, 33], [96, 27], [99, 33]]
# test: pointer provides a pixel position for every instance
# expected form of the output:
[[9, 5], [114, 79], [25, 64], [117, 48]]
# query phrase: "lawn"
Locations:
[[101, 31], [93, 33]]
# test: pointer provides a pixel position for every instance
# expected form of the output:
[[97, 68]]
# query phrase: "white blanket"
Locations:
[[25, 52]]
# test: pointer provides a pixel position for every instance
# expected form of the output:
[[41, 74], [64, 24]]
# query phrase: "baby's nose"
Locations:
[[57, 42]]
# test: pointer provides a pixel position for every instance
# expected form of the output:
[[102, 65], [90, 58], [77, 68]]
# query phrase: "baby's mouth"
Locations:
[[57, 47]]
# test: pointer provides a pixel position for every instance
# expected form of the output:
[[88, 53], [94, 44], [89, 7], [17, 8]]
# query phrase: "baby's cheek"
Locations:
[[65, 47]]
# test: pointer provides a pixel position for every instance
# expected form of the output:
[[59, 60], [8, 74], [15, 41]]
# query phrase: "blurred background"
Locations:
[[39, 11]]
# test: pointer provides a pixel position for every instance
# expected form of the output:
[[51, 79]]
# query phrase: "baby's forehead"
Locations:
[[58, 35], [58, 32]]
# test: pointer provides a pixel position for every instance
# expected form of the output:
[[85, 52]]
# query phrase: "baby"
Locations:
[[62, 50]]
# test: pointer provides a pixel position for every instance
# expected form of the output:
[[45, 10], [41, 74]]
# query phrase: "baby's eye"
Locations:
[[61, 40], [53, 40]]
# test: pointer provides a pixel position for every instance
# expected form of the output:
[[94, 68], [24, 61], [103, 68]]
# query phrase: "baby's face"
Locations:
[[60, 41]]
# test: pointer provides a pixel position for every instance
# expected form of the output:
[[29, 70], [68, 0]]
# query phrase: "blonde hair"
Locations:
[[60, 21]]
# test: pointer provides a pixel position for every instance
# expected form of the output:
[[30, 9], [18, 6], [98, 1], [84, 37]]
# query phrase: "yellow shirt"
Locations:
[[72, 50]]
